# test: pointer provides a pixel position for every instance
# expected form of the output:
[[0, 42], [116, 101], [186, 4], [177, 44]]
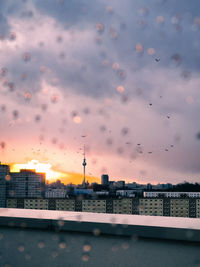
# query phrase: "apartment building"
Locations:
[[4, 171], [26, 184], [171, 194], [90, 205], [151, 206], [40, 204], [175, 207], [56, 193], [122, 206], [198, 208], [65, 204], [11, 203], [179, 207]]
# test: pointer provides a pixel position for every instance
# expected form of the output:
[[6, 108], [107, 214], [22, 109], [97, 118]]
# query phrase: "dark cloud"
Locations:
[[87, 49]]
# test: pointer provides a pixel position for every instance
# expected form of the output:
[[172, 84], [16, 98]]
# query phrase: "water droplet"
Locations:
[[125, 131], [85, 257], [139, 48], [121, 74], [54, 254], [175, 19], [186, 75], [102, 128], [109, 141], [115, 66], [62, 245], [27, 57], [77, 119], [44, 107], [24, 76], [4, 71], [41, 244], [59, 39], [37, 118], [86, 110], [176, 60], [109, 10], [54, 99], [55, 238], [144, 11], [120, 89], [7, 177], [27, 257], [11, 86], [3, 108], [11, 193], [3, 145], [100, 27], [61, 222], [27, 95], [198, 135], [96, 232], [21, 248], [12, 36], [124, 98], [160, 19], [114, 248], [113, 33], [15, 114], [151, 51], [120, 150], [87, 247]]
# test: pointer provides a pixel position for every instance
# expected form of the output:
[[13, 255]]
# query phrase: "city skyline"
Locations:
[[120, 77], [68, 178]]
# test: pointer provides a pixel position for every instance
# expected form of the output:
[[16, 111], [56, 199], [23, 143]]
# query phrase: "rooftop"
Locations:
[[54, 238]]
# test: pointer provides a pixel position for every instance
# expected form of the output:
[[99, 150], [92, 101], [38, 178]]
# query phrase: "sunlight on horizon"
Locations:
[[52, 175], [39, 167]]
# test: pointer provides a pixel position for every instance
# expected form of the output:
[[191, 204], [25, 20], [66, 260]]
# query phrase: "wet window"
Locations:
[[121, 78]]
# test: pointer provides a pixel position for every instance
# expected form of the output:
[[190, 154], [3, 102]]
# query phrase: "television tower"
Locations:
[[84, 165]]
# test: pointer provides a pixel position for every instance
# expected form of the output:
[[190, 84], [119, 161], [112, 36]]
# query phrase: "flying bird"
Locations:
[[157, 59]]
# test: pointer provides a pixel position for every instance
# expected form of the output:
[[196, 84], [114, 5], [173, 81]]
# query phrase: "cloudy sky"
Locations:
[[120, 76]]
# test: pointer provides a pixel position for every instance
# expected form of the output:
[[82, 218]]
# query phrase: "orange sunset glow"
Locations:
[[51, 174]]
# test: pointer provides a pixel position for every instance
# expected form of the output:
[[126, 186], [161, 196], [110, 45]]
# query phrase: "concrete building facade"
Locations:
[[175, 207], [90, 205], [104, 179], [4, 171], [171, 194], [122, 206], [26, 183], [151, 207], [65, 204]]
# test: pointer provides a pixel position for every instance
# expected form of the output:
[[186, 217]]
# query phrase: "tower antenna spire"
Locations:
[[84, 165]]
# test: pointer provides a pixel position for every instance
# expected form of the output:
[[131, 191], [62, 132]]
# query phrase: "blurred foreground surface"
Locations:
[[30, 248], [47, 239]]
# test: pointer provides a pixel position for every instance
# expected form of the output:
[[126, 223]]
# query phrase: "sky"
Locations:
[[121, 77]]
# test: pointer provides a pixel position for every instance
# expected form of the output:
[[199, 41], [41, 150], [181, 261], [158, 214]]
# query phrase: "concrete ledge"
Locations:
[[114, 224]]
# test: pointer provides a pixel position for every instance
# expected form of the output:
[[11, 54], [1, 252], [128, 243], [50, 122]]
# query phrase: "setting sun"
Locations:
[[39, 167], [53, 175]]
